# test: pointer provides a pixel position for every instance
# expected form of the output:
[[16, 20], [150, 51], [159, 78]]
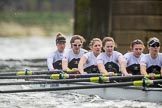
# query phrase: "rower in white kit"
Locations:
[[54, 60]]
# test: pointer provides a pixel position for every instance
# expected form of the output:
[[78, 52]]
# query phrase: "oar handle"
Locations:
[[26, 72], [146, 82], [70, 71], [156, 76]]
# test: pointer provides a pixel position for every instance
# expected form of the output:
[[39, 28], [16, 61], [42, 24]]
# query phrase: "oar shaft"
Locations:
[[67, 76], [135, 83], [53, 76], [133, 77], [19, 73], [157, 81], [7, 73], [70, 88], [47, 72], [24, 77], [92, 79], [45, 82]]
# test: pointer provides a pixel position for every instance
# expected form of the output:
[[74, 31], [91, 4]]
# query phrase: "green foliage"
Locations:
[[49, 22]]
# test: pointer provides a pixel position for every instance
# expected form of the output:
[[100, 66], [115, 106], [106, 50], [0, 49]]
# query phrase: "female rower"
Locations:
[[151, 63], [133, 58], [72, 56], [88, 62], [54, 60], [108, 62]]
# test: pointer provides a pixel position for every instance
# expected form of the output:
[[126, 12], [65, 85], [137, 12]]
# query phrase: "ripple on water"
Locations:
[[66, 100]]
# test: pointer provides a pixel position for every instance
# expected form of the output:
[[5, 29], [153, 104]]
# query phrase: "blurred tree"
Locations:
[[36, 5], [39, 5], [3, 4], [92, 18]]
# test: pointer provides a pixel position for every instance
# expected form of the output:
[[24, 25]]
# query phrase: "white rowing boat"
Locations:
[[117, 93], [126, 93], [113, 90]]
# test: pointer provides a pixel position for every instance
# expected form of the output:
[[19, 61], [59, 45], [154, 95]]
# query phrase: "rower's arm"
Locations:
[[123, 64], [81, 63], [101, 68], [64, 65], [161, 71], [123, 68], [143, 69]]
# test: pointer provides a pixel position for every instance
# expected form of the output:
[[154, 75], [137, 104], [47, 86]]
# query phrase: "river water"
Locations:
[[30, 53]]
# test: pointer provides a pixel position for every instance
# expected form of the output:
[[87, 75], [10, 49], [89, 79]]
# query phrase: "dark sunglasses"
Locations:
[[154, 43], [77, 45]]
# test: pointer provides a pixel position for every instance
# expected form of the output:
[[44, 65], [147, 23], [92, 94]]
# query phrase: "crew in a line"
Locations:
[[134, 56], [72, 56], [110, 61], [151, 63], [88, 62], [54, 60]]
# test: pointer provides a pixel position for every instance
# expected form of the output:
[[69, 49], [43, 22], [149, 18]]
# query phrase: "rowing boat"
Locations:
[[126, 93], [88, 86], [115, 93]]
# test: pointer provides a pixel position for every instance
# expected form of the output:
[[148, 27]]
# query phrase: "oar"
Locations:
[[134, 83], [55, 76], [46, 82], [29, 72], [67, 76], [91, 79], [100, 79]]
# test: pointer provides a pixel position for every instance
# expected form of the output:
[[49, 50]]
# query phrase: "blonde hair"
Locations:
[[93, 41]]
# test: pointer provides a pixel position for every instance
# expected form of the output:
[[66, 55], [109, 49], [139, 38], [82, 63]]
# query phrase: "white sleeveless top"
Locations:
[[69, 54], [91, 59], [103, 58], [131, 59], [52, 58], [148, 61], [73, 59]]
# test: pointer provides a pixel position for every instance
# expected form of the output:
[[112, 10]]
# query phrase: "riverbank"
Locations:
[[35, 23]]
